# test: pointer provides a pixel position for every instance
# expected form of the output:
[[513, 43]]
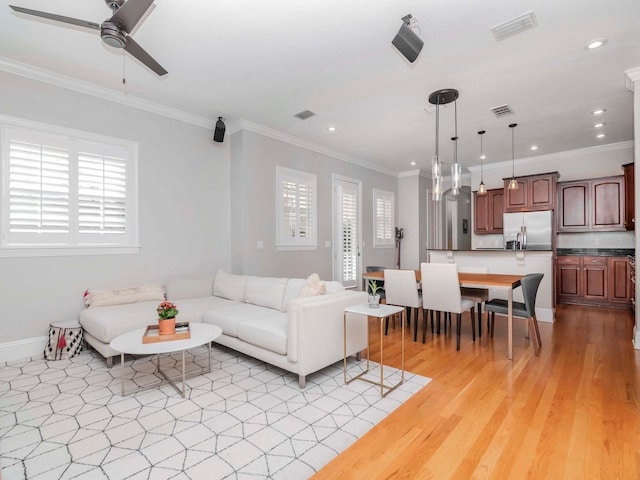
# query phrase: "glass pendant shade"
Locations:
[[513, 184], [482, 190], [437, 98], [456, 178]]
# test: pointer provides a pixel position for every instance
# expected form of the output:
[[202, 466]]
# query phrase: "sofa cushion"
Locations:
[[192, 309], [332, 286], [106, 323], [228, 285], [181, 288], [268, 332], [294, 287], [265, 291], [229, 316]]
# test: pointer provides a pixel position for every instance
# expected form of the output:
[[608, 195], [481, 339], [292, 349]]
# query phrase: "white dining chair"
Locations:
[[401, 289], [441, 293], [478, 295]]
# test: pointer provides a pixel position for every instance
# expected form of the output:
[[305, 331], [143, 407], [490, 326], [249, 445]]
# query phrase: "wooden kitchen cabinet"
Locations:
[[629, 196], [573, 207], [591, 205], [619, 280], [535, 192], [600, 281], [488, 210]]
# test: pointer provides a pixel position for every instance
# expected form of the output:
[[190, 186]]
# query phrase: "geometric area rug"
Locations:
[[246, 419]]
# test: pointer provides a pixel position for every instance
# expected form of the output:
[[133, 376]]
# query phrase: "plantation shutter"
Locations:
[[102, 194], [296, 209], [63, 193], [38, 190], [384, 228], [349, 225]]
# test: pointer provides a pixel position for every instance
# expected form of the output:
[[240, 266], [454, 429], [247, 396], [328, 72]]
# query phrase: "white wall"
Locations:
[[253, 207], [183, 197]]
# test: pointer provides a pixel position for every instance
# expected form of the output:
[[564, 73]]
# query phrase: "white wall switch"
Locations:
[[259, 244], [327, 244]]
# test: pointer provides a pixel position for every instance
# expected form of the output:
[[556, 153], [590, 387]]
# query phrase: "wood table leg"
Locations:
[[510, 323]]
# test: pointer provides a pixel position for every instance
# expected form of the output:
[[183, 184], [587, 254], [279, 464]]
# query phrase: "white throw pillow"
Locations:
[[294, 287], [228, 285], [121, 296], [265, 291], [313, 286]]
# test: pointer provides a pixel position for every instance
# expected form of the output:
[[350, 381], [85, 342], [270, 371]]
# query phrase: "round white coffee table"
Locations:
[[131, 343]]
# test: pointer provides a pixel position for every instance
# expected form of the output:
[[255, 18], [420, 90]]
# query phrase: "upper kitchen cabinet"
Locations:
[[535, 192], [487, 213], [629, 196], [591, 205]]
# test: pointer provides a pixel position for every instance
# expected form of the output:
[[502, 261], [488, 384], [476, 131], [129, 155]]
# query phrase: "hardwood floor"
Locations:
[[572, 412]]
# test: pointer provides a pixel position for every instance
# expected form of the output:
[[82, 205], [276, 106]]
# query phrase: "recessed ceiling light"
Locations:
[[600, 135], [599, 111], [332, 129], [599, 125], [595, 43], [534, 147], [413, 163]]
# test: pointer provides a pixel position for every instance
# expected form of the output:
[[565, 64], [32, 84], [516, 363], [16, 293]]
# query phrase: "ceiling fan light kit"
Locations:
[[114, 31]]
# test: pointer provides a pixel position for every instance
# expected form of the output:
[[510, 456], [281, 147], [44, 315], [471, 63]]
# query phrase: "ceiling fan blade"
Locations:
[[129, 14], [137, 51], [57, 18]]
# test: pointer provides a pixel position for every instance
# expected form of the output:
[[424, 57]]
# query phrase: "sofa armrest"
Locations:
[[315, 330]]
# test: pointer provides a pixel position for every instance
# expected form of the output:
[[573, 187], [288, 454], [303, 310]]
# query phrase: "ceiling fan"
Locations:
[[114, 31]]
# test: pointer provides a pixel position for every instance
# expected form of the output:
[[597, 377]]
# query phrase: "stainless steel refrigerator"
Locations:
[[528, 230]]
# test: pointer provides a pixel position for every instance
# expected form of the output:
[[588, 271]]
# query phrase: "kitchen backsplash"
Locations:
[[596, 240], [568, 240]]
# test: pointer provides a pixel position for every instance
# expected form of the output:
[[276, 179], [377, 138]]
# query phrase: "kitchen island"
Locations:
[[518, 262]]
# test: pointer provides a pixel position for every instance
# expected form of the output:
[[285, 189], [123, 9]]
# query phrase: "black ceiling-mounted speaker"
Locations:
[[407, 42], [218, 134]]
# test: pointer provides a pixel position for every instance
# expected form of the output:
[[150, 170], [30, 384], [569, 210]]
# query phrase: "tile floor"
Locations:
[[245, 420]]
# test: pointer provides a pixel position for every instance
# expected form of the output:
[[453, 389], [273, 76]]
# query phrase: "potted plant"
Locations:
[[167, 312], [374, 296]]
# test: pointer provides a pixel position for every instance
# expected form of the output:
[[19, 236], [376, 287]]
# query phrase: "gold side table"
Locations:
[[382, 312]]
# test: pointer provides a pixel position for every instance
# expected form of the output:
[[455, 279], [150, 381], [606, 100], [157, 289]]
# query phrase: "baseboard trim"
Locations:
[[636, 337], [23, 349], [545, 314]]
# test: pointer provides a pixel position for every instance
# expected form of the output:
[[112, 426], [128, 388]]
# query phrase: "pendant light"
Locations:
[[456, 172], [482, 190], [437, 98], [513, 184]]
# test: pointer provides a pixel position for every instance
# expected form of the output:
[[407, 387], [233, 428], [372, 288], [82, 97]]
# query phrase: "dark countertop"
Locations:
[[597, 252]]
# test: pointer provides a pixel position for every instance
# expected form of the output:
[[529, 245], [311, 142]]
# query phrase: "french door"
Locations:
[[347, 194]]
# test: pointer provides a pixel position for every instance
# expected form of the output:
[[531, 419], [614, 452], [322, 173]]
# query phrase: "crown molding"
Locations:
[[554, 156], [243, 124], [632, 76], [59, 80]]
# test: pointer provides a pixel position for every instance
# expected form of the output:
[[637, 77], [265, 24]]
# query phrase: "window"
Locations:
[[66, 192], [296, 210], [383, 219]]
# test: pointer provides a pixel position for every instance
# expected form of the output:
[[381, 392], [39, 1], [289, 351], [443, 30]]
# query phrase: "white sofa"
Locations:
[[266, 318]]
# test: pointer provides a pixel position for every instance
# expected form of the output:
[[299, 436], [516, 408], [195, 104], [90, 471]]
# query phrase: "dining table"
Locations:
[[499, 281]]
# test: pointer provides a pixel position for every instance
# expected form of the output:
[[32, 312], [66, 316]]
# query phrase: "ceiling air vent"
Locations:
[[303, 115], [501, 110], [515, 26]]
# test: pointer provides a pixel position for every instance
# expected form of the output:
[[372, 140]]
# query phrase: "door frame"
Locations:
[[335, 178]]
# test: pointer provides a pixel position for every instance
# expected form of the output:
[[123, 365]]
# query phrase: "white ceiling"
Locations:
[[264, 61]]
